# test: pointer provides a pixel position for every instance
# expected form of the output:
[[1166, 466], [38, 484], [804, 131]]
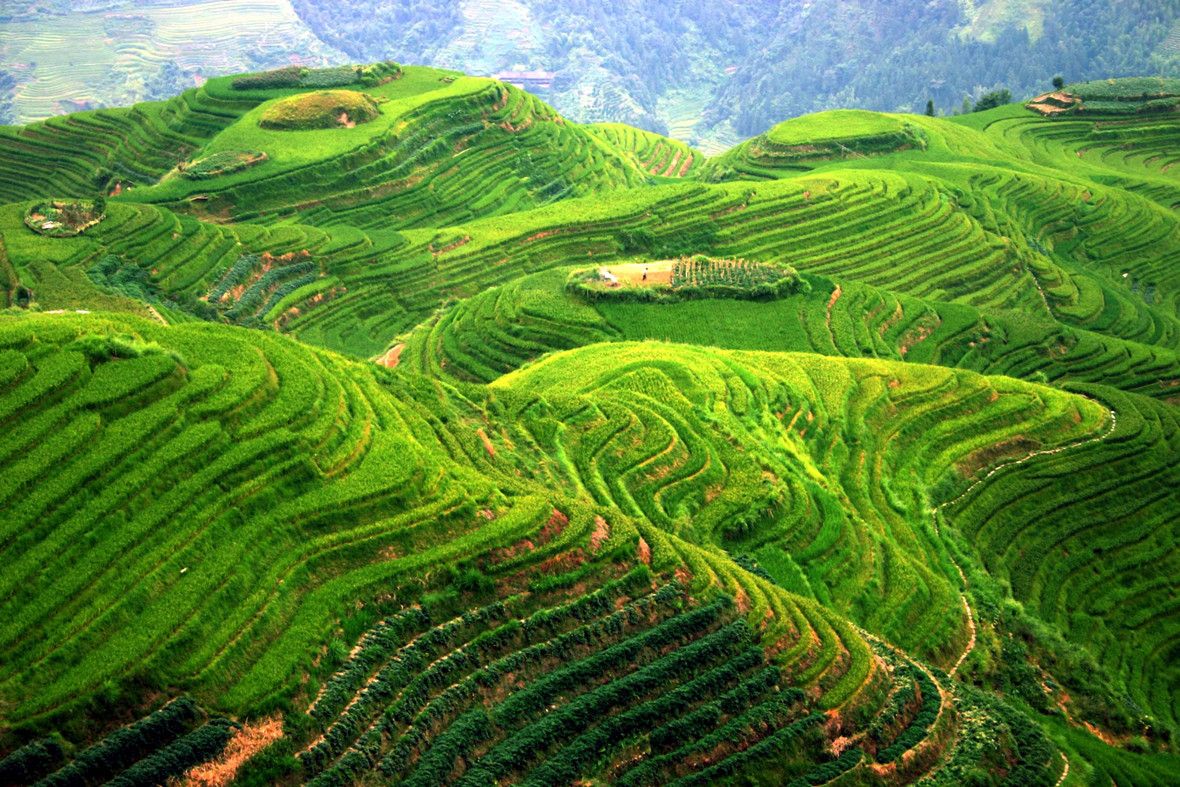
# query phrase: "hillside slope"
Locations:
[[380, 424]]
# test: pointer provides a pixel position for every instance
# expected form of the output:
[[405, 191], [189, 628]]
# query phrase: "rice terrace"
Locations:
[[378, 423]]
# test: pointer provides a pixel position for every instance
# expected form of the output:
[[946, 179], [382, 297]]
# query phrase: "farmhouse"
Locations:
[[531, 81]]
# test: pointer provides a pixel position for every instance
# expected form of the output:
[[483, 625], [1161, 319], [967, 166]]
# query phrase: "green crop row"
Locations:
[[172, 761], [127, 745]]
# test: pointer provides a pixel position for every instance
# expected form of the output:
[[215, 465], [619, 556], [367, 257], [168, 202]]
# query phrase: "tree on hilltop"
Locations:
[[930, 107], [1058, 82], [996, 98]]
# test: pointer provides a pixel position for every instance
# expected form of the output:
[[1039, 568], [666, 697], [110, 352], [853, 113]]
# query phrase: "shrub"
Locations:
[[171, 761], [222, 163], [61, 219], [28, 763], [237, 274], [269, 80], [319, 110], [996, 98], [127, 745], [379, 73], [334, 76]]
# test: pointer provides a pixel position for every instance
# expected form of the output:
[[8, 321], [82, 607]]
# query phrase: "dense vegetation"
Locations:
[[331, 456]]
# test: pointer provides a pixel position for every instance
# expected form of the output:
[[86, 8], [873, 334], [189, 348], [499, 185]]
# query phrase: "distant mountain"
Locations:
[[60, 57], [709, 72]]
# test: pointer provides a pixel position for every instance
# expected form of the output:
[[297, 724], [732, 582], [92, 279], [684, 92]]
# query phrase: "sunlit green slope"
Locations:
[[872, 483]]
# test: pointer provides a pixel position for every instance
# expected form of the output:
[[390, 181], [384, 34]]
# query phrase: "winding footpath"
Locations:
[[1064, 773], [970, 624], [1058, 450], [938, 513]]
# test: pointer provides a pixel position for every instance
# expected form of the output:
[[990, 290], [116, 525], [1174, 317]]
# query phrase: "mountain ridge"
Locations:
[[713, 73]]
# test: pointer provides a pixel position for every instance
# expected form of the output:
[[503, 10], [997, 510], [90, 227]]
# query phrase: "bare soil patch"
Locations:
[[392, 358], [659, 272], [246, 742]]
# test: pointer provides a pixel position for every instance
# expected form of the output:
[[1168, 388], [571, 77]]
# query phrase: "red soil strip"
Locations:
[[487, 444], [244, 744], [835, 296], [465, 240], [644, 552], [392, 358], [675, 163], [891, 321], [658, 168], [651, 159], [601, 533], [685, 166], [554, 527]]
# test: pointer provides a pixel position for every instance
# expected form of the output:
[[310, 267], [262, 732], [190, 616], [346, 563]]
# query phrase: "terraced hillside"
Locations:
[[466, 445], [800, 143], [508, 326]]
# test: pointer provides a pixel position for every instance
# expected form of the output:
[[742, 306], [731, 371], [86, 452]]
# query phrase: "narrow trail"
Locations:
[[835, 297], [970, 624], [1044, 299], [944, 694], [1064, 773], [156, 315], [1060, 449], [938, 514]]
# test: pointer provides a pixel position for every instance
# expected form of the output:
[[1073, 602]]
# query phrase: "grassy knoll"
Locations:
[[839, 124], [870, 482], [802, 143], [319, 110]]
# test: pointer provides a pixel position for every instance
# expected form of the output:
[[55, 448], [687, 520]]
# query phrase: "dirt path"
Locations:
[[970, 624], [1060, 449], [1044, 299], [944, 695], [938, 528], [1065, 773], [835, 297]]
